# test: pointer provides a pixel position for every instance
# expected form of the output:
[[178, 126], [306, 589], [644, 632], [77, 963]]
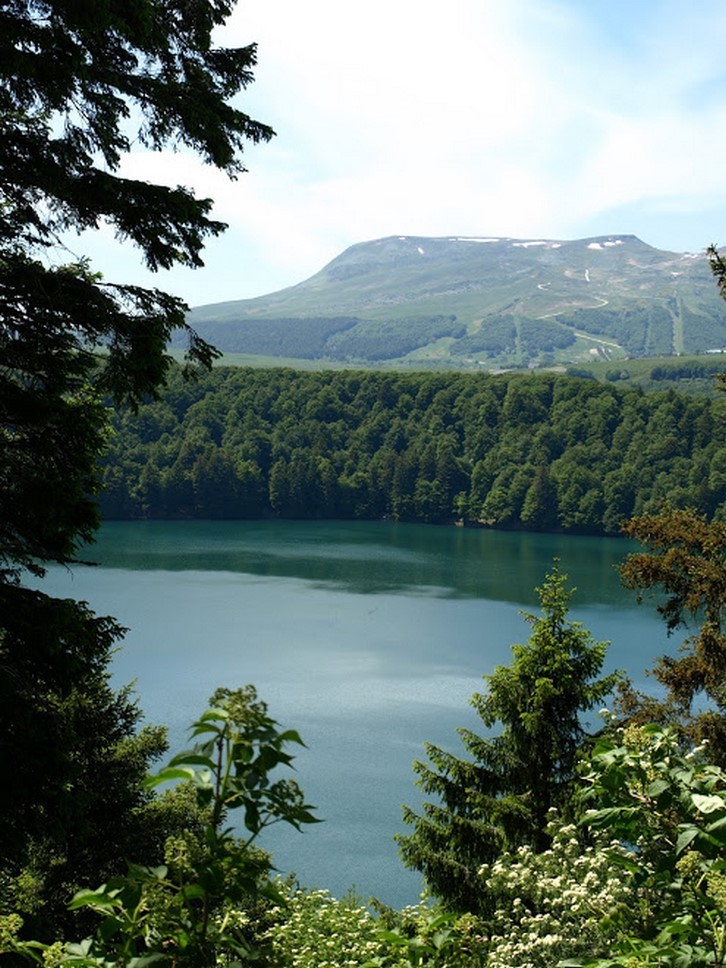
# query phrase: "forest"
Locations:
[[541, 845], [540, 452]]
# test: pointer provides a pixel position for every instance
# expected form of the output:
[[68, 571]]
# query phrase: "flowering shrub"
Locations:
[[560, 903], [647, 888], [670, 805], [423, 936], [640, 882], [317, 931]]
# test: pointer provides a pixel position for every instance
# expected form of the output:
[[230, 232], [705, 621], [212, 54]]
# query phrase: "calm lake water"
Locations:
[[368, 638]]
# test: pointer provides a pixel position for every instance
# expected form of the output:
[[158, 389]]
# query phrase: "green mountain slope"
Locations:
[[466, 302]]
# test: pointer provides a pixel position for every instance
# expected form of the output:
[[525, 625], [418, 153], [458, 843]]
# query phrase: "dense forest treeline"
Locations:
[[543, 452]]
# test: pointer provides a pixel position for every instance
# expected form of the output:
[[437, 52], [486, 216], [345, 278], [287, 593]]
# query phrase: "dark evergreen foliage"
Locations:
[[497, 335], [72, 80], [644, 329], [304, 338], [541, 452], [498, 798], [390, 339], [685, 558], [690, 370], [79, 84]]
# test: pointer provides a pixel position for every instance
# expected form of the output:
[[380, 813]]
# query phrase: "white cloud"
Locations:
[[531, 118]]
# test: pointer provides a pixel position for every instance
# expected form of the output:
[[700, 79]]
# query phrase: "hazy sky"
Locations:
[[522, 118]]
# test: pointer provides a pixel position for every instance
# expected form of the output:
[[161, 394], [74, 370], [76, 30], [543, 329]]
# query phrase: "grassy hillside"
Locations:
[[692, 375], [471, 303], [688, 374]]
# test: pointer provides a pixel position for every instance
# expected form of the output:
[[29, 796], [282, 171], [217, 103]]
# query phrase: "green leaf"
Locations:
[[687, 835], [708, 804], [611, 815], [216, 713], [167, 774], [201, 728], [717, 825], [191, 891], [192, 758], [657, 787], [291, 736], [82, 949], [392, 937], [252, 818]]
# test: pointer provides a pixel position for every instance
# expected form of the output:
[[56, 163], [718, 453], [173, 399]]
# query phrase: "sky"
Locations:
[[528, 119]]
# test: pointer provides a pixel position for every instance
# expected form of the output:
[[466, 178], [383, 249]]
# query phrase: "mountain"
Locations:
[[466, 302]]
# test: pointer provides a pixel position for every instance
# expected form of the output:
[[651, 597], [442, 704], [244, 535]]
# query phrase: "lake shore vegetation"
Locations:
[[537, 452], [635, 877]]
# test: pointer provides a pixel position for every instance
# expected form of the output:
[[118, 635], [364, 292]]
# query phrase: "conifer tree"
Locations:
[[498, 798], [684, 556], [80, 84]]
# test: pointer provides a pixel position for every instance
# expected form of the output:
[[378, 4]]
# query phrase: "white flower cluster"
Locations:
[[557, 904], [317, 931]]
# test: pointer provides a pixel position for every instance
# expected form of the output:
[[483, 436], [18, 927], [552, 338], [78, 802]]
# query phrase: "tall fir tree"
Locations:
[[499, 797], [80, 84]]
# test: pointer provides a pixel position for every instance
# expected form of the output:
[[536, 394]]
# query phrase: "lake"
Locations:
[[366, 637]]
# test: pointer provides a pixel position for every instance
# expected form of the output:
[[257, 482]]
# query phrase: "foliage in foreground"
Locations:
[[684, 557], [312, 928], [639, 881], [199, 908], [81, 83], [499, 797], [646, 791]]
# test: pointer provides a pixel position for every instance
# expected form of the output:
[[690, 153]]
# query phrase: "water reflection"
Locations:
[[371, 558], [367, 637]]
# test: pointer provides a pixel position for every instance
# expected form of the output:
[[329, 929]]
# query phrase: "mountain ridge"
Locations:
[[469, 301]]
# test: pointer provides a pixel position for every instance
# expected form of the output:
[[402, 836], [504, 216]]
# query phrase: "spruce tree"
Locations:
[[499, 796], [80, 84], [684, 557]]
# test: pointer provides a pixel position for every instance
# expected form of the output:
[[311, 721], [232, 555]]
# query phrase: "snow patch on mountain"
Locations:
[[464, 238], [605, 245]]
